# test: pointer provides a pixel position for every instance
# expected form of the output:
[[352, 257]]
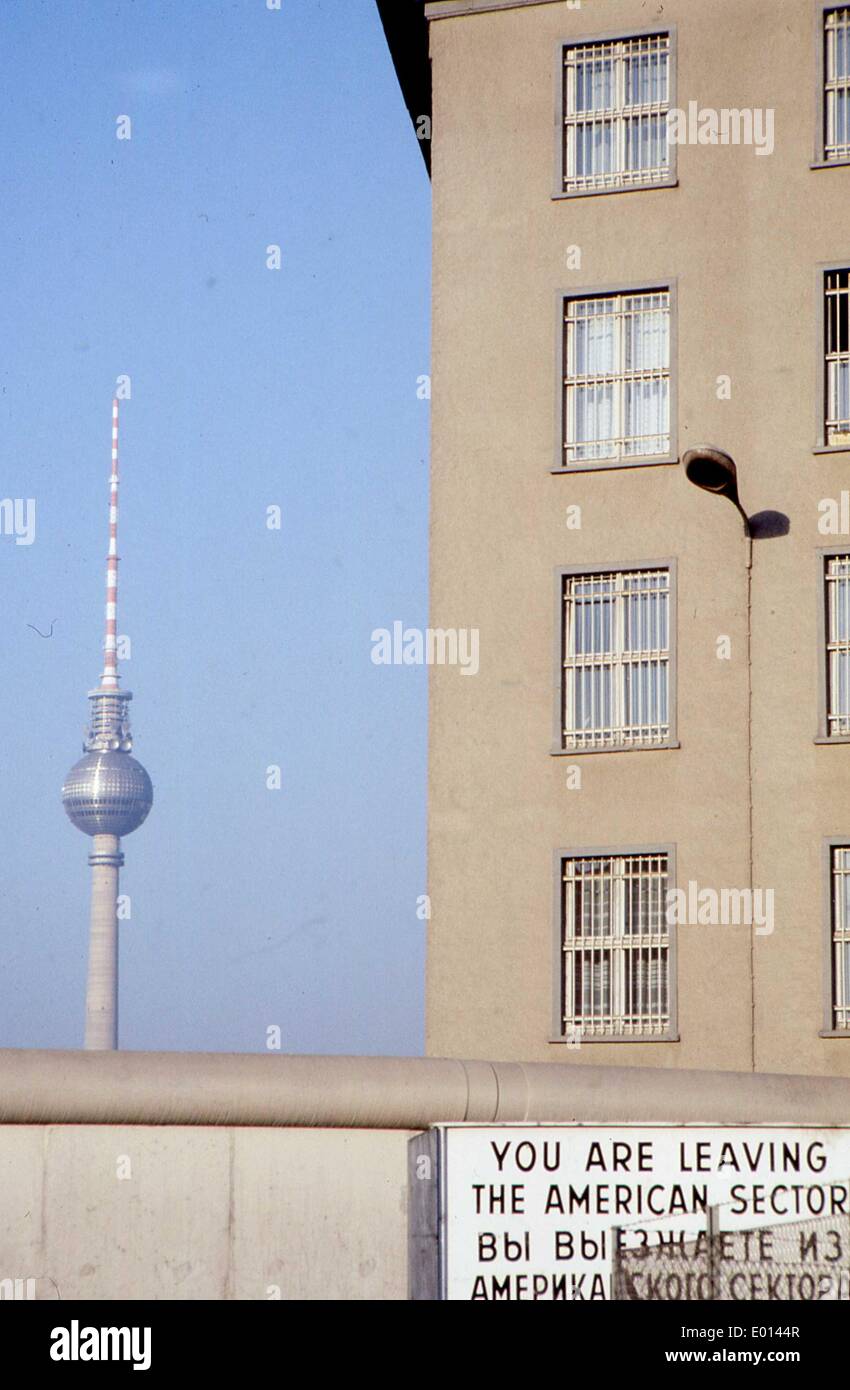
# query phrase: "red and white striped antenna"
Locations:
[[109, 679]]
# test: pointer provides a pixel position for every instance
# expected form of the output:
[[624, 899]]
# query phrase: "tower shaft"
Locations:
[[102, 988]]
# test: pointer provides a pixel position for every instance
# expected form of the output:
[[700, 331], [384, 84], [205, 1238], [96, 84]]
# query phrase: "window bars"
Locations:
[[837, 356], [616, 97], [841, 938], [615, 944], [617, 377], [836, 108], [837, 580], [615, 644]]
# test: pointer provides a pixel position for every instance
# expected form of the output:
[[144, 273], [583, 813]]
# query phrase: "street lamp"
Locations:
[[714, 470]]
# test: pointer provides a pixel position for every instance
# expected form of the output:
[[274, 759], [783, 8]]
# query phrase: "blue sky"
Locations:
[[250, 388]]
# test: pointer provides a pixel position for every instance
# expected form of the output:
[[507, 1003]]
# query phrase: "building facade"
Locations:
[[639, 831]]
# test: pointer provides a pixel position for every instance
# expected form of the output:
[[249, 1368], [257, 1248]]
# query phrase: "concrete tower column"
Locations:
[[102, 989]]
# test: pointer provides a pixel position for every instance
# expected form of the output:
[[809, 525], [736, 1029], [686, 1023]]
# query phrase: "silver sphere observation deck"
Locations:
[[107, 793]]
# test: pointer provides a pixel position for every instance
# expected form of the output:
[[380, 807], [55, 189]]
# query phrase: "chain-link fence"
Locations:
[[805, 1260]]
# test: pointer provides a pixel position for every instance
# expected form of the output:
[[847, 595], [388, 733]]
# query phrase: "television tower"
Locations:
[[107, 794]]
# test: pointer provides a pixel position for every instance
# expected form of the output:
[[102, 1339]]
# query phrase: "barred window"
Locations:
[[615, 643], [617, 377], [837, 579], [616, 946], [616, 97], [841, 937], [836, 106], [837, 356]]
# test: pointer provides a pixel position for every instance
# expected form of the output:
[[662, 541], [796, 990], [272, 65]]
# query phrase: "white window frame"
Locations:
[[615, 735], [835, 19], [622, 450], [616, 48], [653, 869], [836, 360], [838, 941], [836, 571]]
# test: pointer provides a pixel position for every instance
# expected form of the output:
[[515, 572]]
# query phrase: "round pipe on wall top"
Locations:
[[207, 1088]]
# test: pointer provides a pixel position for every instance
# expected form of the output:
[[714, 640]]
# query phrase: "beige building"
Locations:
[[641, 247]]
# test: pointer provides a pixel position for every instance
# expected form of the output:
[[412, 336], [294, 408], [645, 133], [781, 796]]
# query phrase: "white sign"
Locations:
[[534, 1211]]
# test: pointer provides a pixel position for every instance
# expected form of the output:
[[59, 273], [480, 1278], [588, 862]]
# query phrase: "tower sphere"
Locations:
[[107, 793]]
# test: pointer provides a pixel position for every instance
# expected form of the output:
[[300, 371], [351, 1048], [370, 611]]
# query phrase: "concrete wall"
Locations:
[[190, 1212], [197, 1206], [742, 234]]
